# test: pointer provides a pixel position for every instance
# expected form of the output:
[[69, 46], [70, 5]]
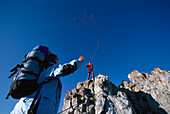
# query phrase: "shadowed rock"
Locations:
[[145, 94]]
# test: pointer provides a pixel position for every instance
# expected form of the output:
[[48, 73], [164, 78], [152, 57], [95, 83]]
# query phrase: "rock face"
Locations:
[[145, 94]]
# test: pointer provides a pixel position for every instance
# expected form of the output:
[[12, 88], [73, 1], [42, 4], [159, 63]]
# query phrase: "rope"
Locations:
[[85, 20], [97, 38], [67, 109]]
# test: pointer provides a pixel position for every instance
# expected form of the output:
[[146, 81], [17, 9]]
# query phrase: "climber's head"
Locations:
[[53, 58]]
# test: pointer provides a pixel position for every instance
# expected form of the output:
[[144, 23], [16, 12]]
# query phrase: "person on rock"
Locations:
[[90, 70]]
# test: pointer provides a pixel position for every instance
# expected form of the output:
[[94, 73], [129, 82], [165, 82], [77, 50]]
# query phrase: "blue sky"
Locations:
[[134, 35]]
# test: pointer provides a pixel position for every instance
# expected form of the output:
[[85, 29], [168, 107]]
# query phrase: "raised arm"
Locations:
[[87, 65], [69, 68]]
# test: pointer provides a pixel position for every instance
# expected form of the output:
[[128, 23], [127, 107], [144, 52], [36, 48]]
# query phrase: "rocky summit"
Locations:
[[145, 94]]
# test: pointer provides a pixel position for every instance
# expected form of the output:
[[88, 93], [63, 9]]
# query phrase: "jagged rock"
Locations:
[[147, 93], [156, 86]]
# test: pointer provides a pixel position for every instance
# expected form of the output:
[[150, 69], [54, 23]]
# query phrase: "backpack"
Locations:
[[27, 73]]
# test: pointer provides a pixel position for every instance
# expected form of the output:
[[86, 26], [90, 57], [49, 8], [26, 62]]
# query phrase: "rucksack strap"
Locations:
[[12, 74], [7, 96], [30, 72], [36, 59], [15, 69], [33, 109]]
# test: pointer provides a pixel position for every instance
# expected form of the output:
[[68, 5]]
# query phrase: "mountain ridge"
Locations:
[[146, 93]]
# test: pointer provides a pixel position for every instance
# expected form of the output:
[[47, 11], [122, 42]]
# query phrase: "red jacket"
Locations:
[[90, 67]]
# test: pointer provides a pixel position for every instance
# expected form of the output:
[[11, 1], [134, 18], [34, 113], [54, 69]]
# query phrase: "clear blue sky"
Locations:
[[134, 35]]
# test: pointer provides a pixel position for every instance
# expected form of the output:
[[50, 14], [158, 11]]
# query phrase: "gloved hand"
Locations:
[[81, 58]]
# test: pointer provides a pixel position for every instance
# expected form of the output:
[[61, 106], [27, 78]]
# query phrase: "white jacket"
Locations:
[[48, 98]]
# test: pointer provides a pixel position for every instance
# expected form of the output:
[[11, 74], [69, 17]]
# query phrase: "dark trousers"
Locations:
[[89, 73]]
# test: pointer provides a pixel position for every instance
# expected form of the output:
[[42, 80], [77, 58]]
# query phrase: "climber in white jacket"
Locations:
[[46, 99]]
